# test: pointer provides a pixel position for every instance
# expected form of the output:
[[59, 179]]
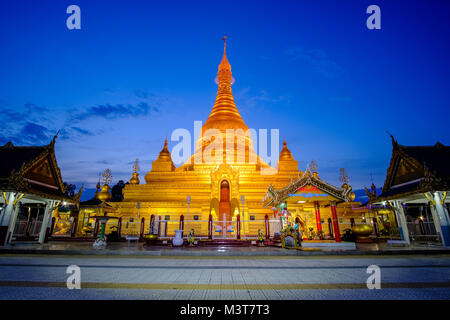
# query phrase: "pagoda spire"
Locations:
[[224, 114]]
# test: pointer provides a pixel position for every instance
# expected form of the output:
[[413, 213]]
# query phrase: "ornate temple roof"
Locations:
[[33, 170], [416, 169], [308, 178]]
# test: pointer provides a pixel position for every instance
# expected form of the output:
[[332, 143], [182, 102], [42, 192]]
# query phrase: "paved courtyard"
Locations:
[[226, 278]]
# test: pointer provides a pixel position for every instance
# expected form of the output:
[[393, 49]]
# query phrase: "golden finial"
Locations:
[[313, 166], [224, 42], [107, 177], [135, 175], [136, 166], [344, 178]]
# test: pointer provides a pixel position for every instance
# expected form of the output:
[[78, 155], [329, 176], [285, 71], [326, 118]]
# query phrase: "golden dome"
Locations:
[[164, 155], [134, 179], [104, 195], [352, 196], [285, 153], [164, 161]]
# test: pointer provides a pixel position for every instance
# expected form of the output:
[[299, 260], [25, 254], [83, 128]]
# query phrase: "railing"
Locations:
[[27, 228], [250, 228], [130, 228], [36, 228], [20, 228], [274, 227], [111, 225], [223, 229], [200, 228], [424, 231]]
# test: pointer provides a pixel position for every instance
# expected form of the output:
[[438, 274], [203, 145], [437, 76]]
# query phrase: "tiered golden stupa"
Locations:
[[214, 181]]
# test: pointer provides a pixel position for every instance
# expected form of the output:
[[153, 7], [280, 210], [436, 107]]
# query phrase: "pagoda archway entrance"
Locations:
[[225, 226], [225, 204]]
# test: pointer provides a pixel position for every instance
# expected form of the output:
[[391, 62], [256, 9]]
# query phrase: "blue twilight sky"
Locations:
[[137, 70]]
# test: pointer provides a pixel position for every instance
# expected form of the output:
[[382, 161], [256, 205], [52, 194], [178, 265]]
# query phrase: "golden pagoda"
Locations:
[[222, 180]]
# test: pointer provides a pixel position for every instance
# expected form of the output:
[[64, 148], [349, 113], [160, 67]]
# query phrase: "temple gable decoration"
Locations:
[[416, 169], [32, 170], [310, 187]]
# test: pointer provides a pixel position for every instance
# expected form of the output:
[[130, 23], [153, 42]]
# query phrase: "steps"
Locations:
[[224, 243]]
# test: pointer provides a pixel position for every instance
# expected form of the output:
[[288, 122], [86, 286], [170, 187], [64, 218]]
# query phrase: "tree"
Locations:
[[70, 189], [116, 191]]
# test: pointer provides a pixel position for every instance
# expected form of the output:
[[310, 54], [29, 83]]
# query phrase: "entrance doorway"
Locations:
[[224, 204]]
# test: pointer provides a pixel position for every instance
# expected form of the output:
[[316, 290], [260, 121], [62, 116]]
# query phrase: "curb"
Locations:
[[171, 253]]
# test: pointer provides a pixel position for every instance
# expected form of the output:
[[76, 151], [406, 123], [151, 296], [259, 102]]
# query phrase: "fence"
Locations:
[[250, 228], [223, 229], [423, 231], [27, 228], [130, 228], [200, 228]]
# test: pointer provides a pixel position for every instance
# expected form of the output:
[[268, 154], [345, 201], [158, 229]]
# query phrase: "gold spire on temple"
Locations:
[[135, 175], [285, 153], [344, 178], [286, 161], [104, 194], [164, 161], [224, 114]]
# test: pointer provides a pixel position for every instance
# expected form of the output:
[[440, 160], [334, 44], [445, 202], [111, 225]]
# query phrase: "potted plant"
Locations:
[[152, 236]]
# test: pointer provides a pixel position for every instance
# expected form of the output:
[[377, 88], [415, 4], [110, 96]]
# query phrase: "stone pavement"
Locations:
[[224, 278], [137, 249]]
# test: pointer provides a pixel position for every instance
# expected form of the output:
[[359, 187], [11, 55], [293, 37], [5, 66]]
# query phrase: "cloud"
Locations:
[[33, 108], [31, 123], [29, 134], [247, 99], [317, 59], [143, 94], [73, 133], [110, 112]]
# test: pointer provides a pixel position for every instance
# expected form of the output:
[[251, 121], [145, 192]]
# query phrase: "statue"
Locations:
[[288, 237], [298, 234], [191, 238], [260, 238]]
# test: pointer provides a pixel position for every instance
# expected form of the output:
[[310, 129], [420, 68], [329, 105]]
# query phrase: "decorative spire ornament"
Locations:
[[135, 175], [107, 177], [104, 195], [313, 166], [136, 167], [344, 178]]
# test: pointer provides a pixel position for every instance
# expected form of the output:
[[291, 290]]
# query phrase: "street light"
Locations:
[[188, 200], [138, 206]]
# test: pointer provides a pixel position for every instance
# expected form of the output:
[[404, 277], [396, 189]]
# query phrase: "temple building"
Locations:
[[31, 190], [226, 181], [415, 191]]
